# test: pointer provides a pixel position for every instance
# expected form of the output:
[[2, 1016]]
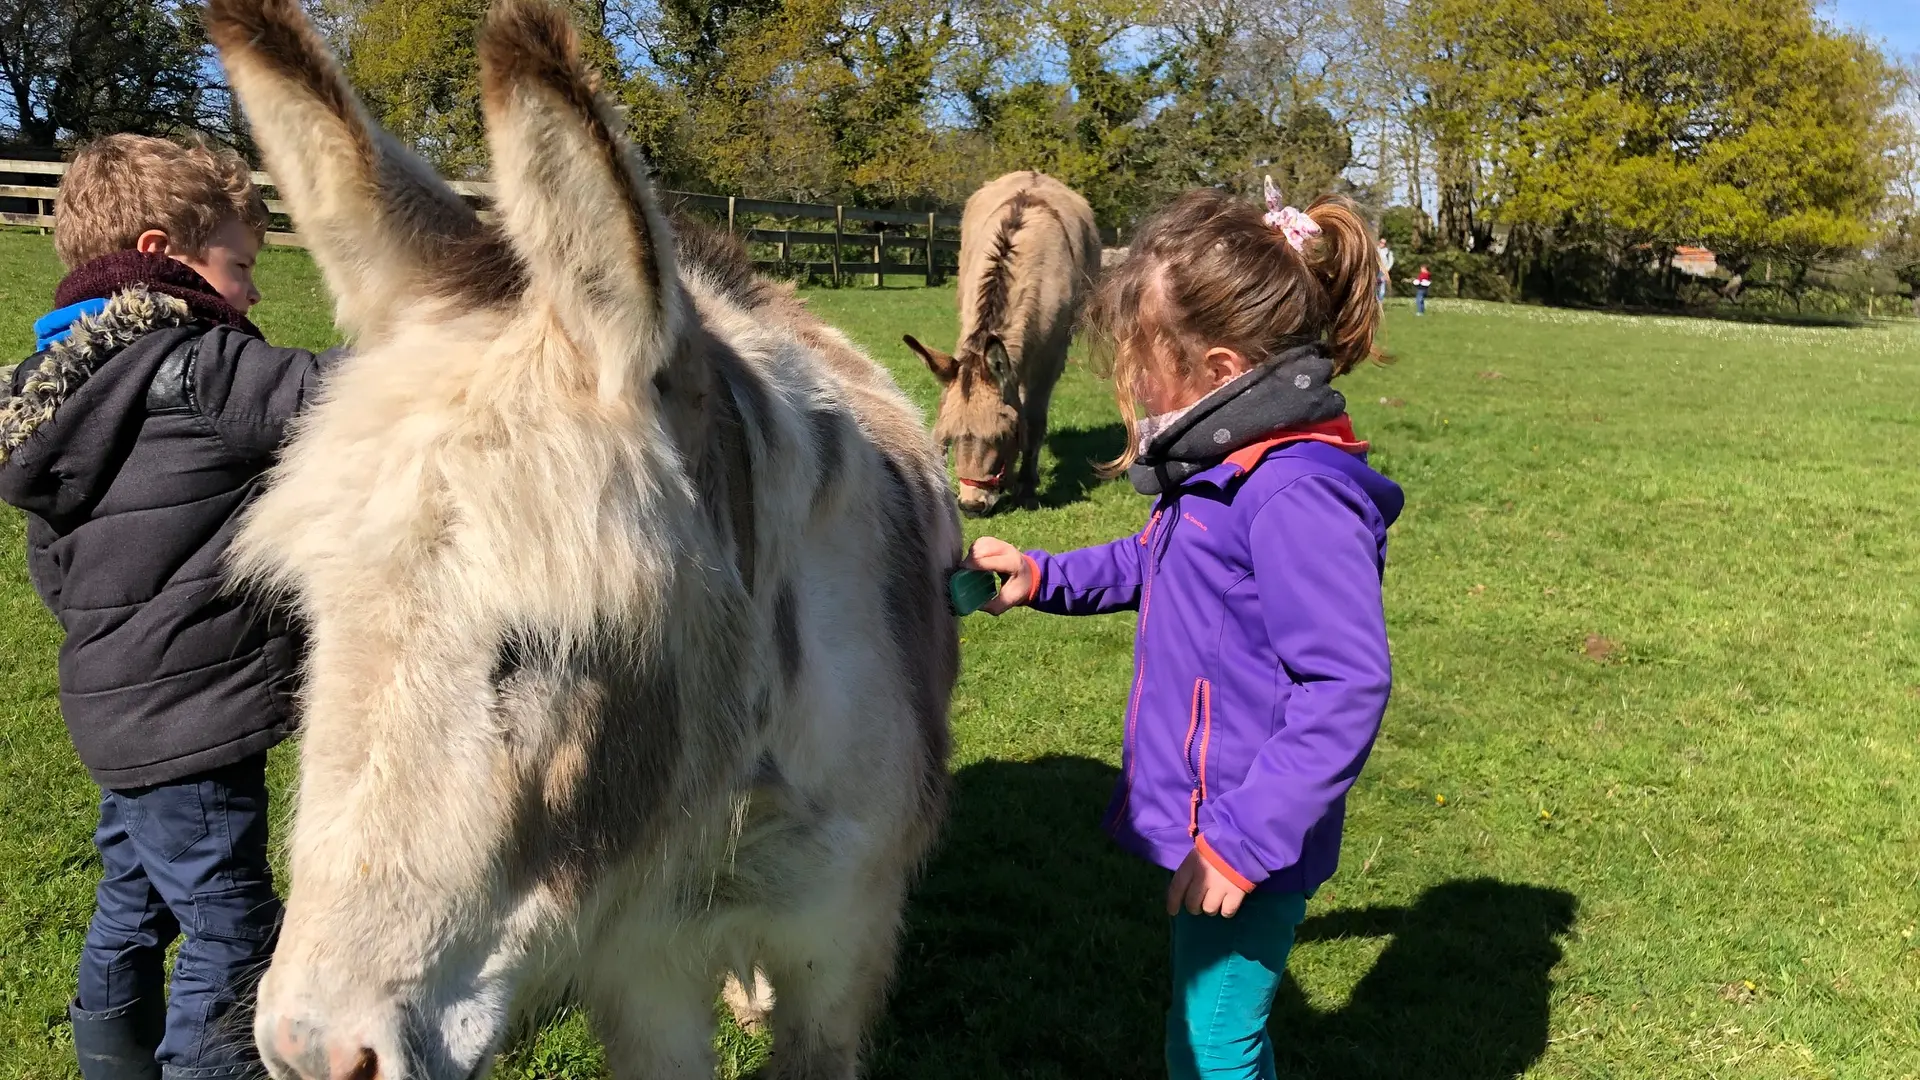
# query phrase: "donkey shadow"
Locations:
[[1076, 452], [1035, 948]]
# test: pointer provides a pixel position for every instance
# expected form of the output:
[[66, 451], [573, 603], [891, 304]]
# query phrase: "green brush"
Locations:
[[969, 590]]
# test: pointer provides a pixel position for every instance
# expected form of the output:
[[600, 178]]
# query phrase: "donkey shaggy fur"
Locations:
[[1029, 254], [629, 654]]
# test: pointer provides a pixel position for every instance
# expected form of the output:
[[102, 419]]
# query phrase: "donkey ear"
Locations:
[[941, 364], [382, 226], [574, 199], [998, 362]]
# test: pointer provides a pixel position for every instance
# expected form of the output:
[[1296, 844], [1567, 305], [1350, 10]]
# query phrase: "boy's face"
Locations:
[[227, 263]]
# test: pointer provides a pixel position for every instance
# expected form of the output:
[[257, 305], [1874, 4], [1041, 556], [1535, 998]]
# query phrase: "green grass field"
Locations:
[[1645, 804]]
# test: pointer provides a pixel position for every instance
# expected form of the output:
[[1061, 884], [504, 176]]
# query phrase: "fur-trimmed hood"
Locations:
[[135, 445], [75, 405]]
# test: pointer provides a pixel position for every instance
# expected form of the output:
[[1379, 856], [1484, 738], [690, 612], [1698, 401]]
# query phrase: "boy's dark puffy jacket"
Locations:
[[133, 445]]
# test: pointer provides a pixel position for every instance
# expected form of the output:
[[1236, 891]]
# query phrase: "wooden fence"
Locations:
[[816, 252]]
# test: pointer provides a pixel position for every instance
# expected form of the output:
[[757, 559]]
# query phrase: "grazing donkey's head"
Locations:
[[979, 416], [483, 522]]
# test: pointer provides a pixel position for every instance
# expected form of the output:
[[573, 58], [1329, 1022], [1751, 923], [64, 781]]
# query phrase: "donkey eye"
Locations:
[[518, 650]]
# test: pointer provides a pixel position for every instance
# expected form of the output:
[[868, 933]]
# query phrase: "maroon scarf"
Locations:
[[102, 277]]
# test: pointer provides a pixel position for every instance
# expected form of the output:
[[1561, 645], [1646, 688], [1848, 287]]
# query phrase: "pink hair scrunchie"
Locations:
[[1290, 221]]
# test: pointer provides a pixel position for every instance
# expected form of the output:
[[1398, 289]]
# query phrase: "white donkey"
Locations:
[[630, 655]]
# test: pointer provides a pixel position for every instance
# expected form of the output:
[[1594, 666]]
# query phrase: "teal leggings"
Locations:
[[1225, 973]]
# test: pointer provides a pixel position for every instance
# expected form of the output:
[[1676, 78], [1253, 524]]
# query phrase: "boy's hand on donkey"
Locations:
[[999, 557], [1202, 890]]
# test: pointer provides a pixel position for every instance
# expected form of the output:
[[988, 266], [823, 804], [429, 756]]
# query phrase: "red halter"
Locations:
[[990, 483]]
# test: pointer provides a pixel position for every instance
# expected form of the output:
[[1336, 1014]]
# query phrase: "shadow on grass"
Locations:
[[1815, 319], [1830, 320], [1075, 453], [1035, 948], [1461, 989]]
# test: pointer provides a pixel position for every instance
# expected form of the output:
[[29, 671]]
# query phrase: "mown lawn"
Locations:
[[1646, 803]]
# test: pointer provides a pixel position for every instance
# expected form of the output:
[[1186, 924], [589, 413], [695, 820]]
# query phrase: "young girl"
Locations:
[[1260, 660]]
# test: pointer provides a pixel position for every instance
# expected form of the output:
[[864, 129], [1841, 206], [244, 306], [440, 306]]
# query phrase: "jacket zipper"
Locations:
[[1200, 730], [1139, 671]]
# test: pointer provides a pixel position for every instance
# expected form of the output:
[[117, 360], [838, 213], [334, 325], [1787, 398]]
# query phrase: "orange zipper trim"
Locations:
[[1203, 722]]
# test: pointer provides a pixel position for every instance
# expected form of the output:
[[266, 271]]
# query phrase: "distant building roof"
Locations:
[[1695, 261]]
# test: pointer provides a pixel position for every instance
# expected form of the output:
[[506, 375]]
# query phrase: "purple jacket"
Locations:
[[1260, 660]]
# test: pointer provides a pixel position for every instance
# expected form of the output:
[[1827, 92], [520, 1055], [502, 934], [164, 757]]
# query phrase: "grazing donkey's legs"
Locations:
[[1033, 436], [655, 1021], [829, 966], [749, 1002]]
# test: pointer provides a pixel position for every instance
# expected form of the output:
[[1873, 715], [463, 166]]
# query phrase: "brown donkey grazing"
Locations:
[[1029, 253], [630, 655]]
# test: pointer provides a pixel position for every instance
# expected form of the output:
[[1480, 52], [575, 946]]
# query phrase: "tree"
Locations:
[[414, 62], [77, 69], [1083, 122], [1631, 126], [1206, 130]]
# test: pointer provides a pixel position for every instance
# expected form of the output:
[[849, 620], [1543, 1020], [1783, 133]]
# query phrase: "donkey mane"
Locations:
[[725, 260], [996, 292]]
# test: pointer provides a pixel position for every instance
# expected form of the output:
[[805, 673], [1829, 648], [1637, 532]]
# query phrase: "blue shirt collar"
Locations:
[[58, 323]]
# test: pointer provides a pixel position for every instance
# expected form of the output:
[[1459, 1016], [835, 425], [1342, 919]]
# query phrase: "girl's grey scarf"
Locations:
[[1288, 391]]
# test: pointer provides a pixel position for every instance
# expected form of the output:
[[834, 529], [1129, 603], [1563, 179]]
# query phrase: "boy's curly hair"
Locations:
[[122, 185]]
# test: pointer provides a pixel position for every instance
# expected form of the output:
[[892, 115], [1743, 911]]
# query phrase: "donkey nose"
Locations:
[[297, 1052], [364, 1065], [976, 506]]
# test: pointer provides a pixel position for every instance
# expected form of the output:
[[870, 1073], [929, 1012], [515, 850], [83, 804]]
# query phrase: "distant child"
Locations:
[[1422, 281], [133, 440], [1260, 658], [1385, 255]]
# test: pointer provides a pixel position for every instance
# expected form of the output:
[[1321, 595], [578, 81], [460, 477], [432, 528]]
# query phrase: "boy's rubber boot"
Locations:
[[118, 1044]]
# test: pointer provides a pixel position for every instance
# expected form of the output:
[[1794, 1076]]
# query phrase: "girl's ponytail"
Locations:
[[1345, 262]]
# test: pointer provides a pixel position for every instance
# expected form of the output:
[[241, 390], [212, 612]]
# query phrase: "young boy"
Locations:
[[133, 440]]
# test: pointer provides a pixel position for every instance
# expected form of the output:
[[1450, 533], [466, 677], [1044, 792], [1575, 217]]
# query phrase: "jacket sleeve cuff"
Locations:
[[1214, 859], [1033, 569]]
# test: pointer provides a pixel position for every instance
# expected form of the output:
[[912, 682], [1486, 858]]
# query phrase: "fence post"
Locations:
[[880, 259], [729, 215], [930, 275], [839, 220], [786, 246]]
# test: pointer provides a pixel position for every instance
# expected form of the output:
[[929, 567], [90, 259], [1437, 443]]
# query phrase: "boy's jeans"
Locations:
[[1225, 973], [189, 855], [1419, 299]]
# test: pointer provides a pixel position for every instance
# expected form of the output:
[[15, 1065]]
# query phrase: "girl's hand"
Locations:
[[999, 557], [1202, 890]]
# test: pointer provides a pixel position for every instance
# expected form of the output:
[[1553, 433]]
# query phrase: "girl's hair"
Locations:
[[1208, 272]]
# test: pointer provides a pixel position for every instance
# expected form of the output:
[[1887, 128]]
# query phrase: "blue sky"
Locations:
[[1895, 21]]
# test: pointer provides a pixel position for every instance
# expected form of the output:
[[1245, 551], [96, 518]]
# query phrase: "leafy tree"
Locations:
[[1631, 126], [1405, 228], [76, 69], [1900, 251], [1086, 128], [414, 61]]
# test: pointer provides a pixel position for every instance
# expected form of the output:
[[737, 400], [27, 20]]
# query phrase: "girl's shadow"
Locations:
[[1034, 948]]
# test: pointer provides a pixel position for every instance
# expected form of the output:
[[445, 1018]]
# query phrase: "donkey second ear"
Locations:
[[998, 362], [382, 226], [941, 364], [574, 199]]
